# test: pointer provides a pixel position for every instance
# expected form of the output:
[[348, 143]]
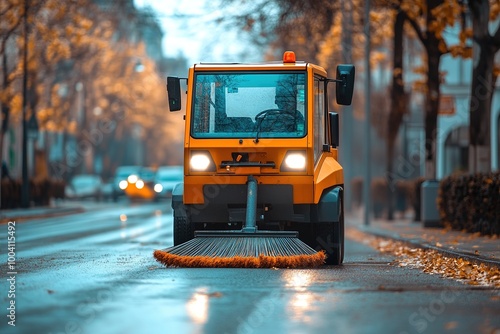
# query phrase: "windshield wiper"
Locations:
[[260, 119]]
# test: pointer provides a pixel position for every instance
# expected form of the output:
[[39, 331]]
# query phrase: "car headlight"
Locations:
[[123, 184], [158, 188], [294, 162], [201, 161], [139, 184], [132, 178]]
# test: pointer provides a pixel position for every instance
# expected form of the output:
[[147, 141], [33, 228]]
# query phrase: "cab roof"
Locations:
[[288, 63], [268, 66]]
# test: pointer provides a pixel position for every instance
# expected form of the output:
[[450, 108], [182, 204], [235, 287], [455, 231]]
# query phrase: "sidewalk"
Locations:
[[472, 247]]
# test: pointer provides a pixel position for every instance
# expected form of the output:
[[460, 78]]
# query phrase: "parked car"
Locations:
[[107, 189], [84, 186], [167, 177], [122, 174]]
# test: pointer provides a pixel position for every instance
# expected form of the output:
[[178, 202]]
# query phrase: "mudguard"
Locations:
[[328, 209], [177, 194]]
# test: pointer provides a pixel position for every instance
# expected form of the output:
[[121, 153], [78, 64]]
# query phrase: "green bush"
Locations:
[[471, 202]]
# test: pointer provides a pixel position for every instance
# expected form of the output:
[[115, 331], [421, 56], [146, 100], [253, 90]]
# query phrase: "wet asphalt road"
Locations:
[[94, 273]]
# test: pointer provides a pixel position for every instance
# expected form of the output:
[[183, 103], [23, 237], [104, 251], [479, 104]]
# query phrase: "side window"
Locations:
[[319, 118]]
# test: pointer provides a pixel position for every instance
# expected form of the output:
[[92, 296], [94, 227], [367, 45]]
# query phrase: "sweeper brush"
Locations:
[[248, 248]]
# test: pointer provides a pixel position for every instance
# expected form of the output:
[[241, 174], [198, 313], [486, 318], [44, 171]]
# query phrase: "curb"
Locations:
[[450, 253]]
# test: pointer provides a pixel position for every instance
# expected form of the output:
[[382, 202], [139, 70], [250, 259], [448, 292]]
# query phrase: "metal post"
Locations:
[[347, 119], [25, 182], [250, 219], [367, 178]]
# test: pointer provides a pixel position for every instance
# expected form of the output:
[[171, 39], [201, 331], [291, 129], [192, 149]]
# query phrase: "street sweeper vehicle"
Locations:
[[262, 185]]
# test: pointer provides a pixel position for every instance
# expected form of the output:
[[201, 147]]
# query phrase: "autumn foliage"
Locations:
[[84, 67]]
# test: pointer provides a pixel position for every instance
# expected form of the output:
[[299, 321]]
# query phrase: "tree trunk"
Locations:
[[5, 113], [431, 104], [431, 44], [398, 107], [480, 111], [482, 87]]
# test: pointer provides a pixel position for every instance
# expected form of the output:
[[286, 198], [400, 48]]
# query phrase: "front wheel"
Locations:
[[331, 239], [327, 236], [183, 230], [337, 256]]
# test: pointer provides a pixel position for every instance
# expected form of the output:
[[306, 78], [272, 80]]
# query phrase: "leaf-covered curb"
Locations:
[[431, 261]]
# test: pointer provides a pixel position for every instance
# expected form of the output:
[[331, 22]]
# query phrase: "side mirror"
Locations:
[[174, 93], [333, 122], [345, 84]]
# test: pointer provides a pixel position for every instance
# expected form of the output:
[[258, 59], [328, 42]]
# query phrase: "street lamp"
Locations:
[[367, 132], [25, 196]]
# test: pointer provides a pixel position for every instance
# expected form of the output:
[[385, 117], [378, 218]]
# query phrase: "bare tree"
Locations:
[[398, 104]]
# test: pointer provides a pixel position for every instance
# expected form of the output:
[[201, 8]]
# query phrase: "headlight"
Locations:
[[201, 162], [158, 188], [139, 184], [294, 161], [123, 184], [132, 178]]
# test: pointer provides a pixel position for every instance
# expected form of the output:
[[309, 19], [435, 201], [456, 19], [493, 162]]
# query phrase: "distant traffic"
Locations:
[[133, 182]]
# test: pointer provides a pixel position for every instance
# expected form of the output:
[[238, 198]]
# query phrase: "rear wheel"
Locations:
[[183, 230]]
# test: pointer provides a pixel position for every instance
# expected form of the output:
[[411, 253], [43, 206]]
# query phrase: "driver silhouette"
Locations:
[[287, 103]]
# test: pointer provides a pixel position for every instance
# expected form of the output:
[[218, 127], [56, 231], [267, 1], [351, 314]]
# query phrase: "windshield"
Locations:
[[246, 105]]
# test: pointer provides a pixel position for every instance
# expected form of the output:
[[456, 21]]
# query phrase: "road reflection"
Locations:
[[158, 219], [301, 302], [197, 306]]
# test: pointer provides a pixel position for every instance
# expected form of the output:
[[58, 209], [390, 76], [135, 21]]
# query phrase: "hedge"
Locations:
[[41, 191], [471, 202]]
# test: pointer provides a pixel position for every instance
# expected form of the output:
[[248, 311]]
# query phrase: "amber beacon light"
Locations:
[[289, 57]]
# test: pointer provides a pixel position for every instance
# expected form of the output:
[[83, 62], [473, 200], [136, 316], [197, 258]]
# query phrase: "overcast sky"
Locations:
[[190, 29]]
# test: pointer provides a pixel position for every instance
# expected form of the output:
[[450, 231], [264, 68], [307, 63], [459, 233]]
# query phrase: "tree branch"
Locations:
[[495, 39], [416, 27]]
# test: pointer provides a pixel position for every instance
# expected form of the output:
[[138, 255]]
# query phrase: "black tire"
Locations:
[[325, 236], [183, 230], [337, 258]]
